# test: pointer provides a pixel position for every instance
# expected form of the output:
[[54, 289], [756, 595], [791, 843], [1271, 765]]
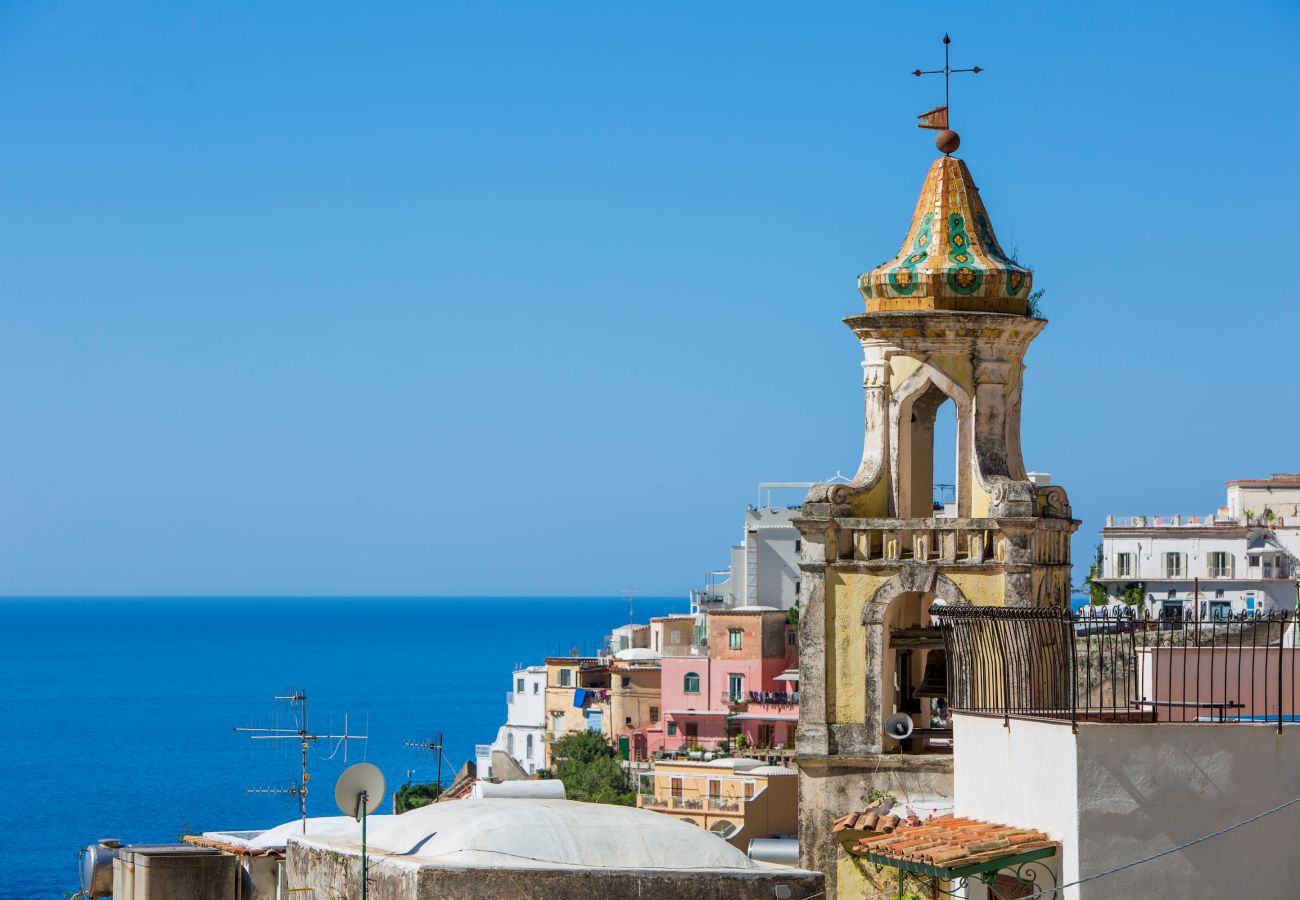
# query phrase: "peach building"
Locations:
[[736, 799]]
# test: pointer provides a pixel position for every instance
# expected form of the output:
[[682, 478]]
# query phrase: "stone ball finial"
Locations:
[[947, 141]]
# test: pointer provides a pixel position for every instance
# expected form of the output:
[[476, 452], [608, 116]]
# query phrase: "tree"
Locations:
[[589, 767], [413, 796], [1096, 591]]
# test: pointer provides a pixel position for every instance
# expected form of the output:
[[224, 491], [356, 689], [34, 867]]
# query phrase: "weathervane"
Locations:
[[946, 140]]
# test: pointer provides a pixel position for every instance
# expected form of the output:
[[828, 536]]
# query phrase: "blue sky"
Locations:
[[526, 298]]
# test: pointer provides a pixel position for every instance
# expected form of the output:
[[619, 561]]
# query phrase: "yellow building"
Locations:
[[948, 322], [573, 686], [737, 799], [633, 709]]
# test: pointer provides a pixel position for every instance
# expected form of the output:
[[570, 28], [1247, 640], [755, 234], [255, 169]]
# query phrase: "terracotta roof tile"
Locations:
[[950, 842]]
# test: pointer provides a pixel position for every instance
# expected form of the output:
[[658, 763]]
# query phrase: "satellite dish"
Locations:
[[363, 779], [898, 726]]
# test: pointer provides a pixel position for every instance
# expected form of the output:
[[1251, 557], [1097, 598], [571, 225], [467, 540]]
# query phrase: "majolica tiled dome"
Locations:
[[951, 259]]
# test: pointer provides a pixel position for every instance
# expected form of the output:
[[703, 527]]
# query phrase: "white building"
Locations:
[[1243, 558], [521, 737], [765, 564]]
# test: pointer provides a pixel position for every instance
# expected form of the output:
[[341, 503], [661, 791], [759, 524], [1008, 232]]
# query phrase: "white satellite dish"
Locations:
[[359, 791], [898, 726], [362, 781]]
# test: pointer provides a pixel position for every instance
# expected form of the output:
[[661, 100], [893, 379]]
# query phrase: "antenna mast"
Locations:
[[305, 737], [433, 745]]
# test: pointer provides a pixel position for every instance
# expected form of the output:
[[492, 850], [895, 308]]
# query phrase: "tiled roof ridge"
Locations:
[[948, 841]]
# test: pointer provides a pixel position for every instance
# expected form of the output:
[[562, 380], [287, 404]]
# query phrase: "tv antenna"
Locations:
[[433, 745], [305, 737], [359, 789], [628, 595]]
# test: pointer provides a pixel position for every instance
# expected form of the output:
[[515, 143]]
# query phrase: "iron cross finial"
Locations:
[[946, 71]]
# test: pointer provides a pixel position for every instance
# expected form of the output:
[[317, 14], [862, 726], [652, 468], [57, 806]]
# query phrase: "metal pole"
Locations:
[[439, 797], [363, 845]]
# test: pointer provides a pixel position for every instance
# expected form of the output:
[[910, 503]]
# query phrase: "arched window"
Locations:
[[510, 743], [691, 683], [528, 743]]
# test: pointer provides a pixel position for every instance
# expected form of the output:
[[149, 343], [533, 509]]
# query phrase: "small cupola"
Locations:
[[951, 259]]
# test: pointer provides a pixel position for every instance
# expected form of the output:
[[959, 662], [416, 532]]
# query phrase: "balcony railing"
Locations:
[[1123, 665], [725, 805], [960, 540], [698, 650], [764, 698]]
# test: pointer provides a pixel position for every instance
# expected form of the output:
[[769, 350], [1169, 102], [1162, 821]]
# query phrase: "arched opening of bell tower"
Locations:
[[932, 423]]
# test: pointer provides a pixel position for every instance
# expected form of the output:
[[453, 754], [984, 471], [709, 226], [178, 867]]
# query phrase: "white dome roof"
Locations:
[[636, 653], [738, 763], [773, 770], [750, 609], [535, 834]]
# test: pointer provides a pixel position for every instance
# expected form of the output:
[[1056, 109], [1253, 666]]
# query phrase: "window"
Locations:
[[626, 681], [557, 722], [798, 545], [1220, 564], [536, 687], [736, 687], [1123, 565], [672, 729], [519, 685], [528, 747], [1268, 567], [677, 636], [654, 714], [791, 637], [1252, 560], [566, 677], [734, 637], [691, 683], [797, 585], [1173, 595], [1220, 610], [1173, 565], [1218, 595], [510, 743]]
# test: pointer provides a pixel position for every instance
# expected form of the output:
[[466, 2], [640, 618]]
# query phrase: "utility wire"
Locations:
[[1154, 856], [1137, 862]]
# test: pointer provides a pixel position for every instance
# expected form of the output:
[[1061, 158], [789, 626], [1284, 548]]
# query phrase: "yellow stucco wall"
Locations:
[[846, 594]]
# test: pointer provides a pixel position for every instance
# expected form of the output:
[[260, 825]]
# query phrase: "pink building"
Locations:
[[740, 681]]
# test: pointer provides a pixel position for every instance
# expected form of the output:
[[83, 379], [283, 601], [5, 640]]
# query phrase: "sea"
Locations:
[[118, 716]]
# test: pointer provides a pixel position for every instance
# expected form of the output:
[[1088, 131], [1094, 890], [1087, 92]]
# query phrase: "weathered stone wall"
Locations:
[[832, 786], [335, 876]]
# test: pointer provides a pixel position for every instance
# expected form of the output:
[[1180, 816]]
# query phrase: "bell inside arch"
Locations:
[[934, 681]]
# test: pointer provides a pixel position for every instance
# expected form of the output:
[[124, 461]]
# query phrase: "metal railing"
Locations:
[[763, 698], [693, 804], [1122, 665]]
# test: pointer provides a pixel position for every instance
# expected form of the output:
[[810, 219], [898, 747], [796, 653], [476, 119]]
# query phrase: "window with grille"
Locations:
[[734, 637], [691, 683]]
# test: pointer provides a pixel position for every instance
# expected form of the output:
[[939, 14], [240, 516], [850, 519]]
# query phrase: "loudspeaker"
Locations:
[[898, 726]]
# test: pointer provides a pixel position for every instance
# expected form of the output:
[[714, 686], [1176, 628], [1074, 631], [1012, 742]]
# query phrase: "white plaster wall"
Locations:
[[1116, 793], [1145, 788], [528, 709], [1148, 551], [1024, 775]]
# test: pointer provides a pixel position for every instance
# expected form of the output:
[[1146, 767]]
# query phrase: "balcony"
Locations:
[[721, 805], [762, 698], [886, 542]]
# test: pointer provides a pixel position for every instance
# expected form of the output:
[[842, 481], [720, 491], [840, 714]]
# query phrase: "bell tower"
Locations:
[[948, 322]]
